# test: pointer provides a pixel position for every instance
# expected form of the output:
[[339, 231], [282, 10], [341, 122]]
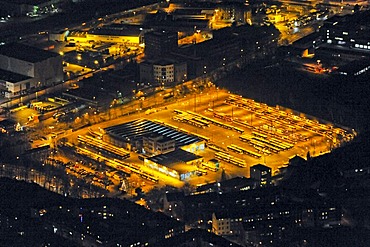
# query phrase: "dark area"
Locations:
[[73, 14]]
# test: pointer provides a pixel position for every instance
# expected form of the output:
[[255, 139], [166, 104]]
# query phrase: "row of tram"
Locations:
[[201, 121], [266, 145]]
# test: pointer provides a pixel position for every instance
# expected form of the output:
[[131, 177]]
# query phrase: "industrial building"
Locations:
[[179, 164], [118, 33], [24, 67], [130, 135], [164, 148], [114, 33], [348, 32], [354, 68], [13, 84]]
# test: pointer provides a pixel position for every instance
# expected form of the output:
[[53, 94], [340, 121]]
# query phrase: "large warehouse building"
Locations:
[[24, 67], [114, 33]]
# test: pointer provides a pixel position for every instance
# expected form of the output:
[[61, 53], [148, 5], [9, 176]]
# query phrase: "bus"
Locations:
[[230, 159], [178, 111], [238, 162], [234, 149], [209, 167], [200, 120], [245, 138], [218, 115], [259, 135], [207, 139], [215, 147], [241, 131]]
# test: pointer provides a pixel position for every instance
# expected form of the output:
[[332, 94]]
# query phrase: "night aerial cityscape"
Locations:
[[185, 123]]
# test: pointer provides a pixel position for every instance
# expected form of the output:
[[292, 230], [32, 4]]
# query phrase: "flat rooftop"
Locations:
[[138, 128], [26, 53], [261, 167], [178, 156], [118, 30], [12, 77]]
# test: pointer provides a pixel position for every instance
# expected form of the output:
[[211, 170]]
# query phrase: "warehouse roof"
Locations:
[[26, 53], [12, 77], [174, 158]]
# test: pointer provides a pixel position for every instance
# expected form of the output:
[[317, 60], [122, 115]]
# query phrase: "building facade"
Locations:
[[28, 67], [163, 72], [262, 174], [157, 144], [348, 32], [158, 43]]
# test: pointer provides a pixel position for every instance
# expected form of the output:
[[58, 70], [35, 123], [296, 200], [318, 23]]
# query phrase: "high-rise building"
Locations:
[[164, 72], [262, 174], [158, 43]]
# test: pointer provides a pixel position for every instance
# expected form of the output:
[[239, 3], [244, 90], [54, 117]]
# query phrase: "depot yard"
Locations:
[[237, 132], [243, 132]]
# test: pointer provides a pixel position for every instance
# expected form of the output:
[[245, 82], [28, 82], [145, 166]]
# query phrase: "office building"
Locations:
[[165, 72], [158, 43], [348, 32], [154, 144], [262, 174]]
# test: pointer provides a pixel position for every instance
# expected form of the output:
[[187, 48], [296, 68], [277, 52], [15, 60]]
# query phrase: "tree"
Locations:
[[139, 191]]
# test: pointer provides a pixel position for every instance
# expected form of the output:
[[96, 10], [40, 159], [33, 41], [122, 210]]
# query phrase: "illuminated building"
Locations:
[[354, 68], [226, 186], [130, 135], [117, 33], [194, 236], [239, 13], [80, 222], [114, 33], [179, 164], [154, 144], [262, 174], [348, 32], [163, 71], [58, 36], [14, 84], [174, 148]]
